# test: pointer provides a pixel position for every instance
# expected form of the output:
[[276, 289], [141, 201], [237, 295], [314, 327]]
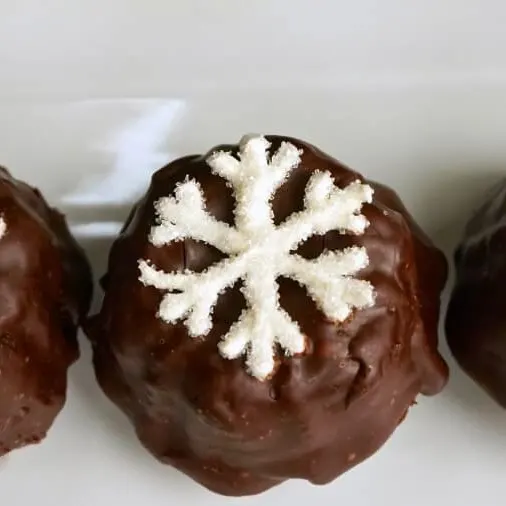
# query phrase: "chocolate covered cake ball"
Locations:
[[268, 314], [45, 289], [476, 319]]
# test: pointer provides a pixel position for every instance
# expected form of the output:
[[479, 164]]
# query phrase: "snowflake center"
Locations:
[[259, 243]]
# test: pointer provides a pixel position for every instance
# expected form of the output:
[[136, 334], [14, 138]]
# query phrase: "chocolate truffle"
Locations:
[[268, 314], [45, 289], [476, 319]]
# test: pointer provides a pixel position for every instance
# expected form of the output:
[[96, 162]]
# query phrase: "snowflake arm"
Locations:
[[184, 216], [198, 292], [254, 160], [259, 346], [262, 325], [328, 280], [254, 180], [286, 158], [327, 208]]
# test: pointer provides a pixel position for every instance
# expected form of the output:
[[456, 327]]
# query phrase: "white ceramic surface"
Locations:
[[95, 95]]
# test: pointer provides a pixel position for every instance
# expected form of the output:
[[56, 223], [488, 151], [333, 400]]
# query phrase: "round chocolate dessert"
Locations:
[[476, 319], [45, 290], [268, 314]]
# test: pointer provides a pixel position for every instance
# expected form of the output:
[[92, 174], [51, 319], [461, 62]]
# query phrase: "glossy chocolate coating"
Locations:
[[45, 289], [321, 413], [476, 319]]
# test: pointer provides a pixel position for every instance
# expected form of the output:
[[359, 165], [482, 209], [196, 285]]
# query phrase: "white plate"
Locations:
[[96, 95]]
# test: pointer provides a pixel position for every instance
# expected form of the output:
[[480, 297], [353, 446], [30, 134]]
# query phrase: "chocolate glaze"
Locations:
[[321, 413], [45, 289], [476, 319]]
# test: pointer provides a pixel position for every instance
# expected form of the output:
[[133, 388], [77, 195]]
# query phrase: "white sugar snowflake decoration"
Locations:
[[258, 252]]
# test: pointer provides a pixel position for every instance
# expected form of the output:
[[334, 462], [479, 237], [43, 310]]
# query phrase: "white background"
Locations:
[[95, 95]]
